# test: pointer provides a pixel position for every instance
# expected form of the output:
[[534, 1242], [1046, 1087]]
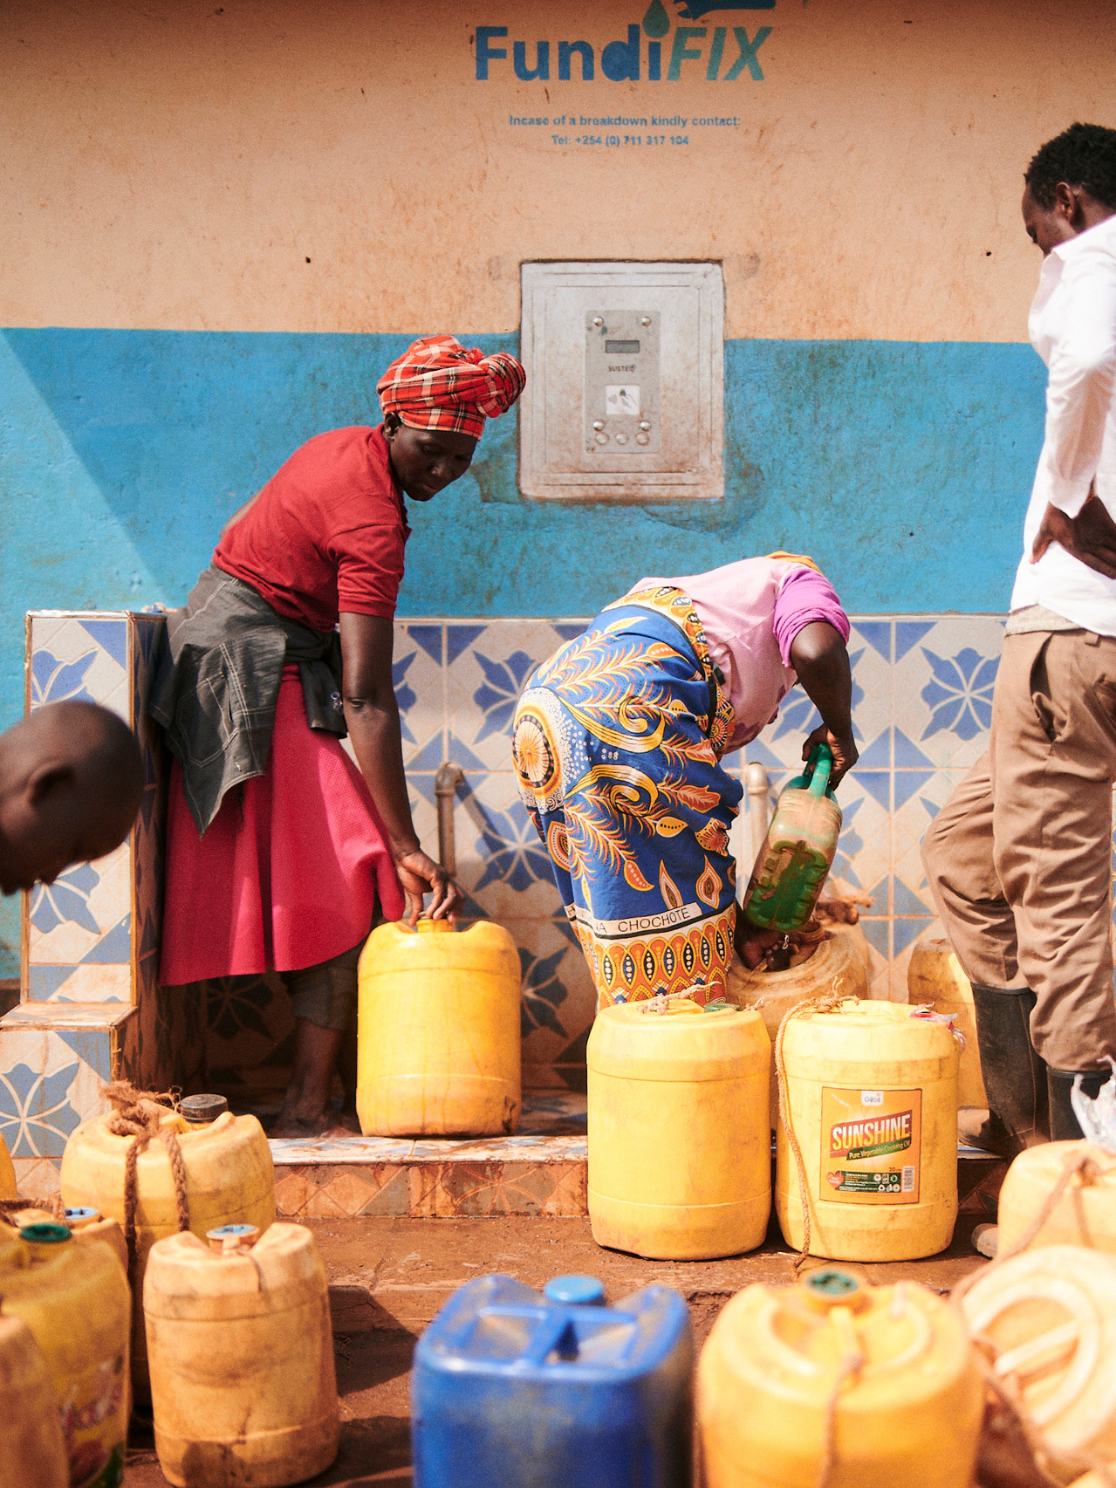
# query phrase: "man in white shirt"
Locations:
[[1019, 858]]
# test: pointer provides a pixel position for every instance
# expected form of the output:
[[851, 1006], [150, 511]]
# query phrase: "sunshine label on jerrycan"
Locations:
[[871, 1145]]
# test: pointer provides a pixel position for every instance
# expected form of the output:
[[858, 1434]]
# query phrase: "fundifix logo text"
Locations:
[[872, 1138], [656, 49]]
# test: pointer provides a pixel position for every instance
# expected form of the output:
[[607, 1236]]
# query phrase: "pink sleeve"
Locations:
[[806, 596]]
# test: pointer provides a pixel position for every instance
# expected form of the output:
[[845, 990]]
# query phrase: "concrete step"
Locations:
[[540, 1171]]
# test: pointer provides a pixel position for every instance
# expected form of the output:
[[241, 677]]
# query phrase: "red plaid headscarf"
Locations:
[[437, 384]]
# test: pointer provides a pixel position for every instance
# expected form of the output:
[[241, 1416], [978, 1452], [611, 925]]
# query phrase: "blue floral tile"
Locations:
[[943, 689], [872, 678], [82, 930], [501, 861], [909, 825], [78, 919], [484, 682], [66, 899], [82, 657], [419, 682], [424, 812], [53, 1068], [558, 998]]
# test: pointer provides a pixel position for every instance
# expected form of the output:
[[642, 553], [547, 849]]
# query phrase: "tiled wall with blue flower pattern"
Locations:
[[922, 708], [91, 1010]]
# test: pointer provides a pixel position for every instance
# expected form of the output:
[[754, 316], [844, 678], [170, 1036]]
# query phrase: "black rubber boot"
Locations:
[[1014, 1075], [1064, 1125]]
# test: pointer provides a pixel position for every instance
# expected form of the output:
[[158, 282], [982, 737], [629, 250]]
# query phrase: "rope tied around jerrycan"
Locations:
[[10, 1209], [828, 1004], [138, 1114]]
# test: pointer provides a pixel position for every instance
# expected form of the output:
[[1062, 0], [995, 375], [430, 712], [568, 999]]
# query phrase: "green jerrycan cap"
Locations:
[[45, 1234], [815, 777]]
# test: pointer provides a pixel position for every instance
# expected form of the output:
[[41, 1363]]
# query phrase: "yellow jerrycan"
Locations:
[[1048, 1317], [881, 1382], [934, 976], [241, 1348], [679, 1142], [32, 1450], [438, 1031], [74, 1298], [1084, 1215], [871, 1093], [229, 1179], [836, 969], [89, 1225], [7, 1173]]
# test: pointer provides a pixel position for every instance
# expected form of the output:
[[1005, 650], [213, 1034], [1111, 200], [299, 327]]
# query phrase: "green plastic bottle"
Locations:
[[798, 850]]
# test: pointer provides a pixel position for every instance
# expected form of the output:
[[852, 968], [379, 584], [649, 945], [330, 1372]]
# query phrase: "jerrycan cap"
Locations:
[[662, 1004], [815, 777], [231, 1237], [45, 1234], [833, 1287], [575, 1291], [200, 1110], [427, 926]]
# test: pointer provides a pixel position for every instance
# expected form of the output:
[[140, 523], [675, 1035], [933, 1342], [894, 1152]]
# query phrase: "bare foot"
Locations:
[[292, 1124]]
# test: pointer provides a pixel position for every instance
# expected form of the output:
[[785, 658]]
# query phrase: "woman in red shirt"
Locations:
[[279, 850]]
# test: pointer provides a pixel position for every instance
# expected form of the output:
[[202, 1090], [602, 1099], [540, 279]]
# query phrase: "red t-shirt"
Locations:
[[326, 533]]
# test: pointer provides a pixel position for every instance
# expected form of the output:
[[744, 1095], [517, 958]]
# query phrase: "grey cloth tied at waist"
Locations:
[[217, 685]]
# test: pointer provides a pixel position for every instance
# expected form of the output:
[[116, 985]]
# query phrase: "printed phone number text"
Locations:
[[612, 140]]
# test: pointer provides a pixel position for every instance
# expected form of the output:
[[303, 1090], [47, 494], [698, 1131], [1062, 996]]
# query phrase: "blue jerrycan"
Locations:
[[514, 1388]]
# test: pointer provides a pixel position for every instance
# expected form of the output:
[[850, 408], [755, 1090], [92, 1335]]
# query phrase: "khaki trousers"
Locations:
[[1019, 857]]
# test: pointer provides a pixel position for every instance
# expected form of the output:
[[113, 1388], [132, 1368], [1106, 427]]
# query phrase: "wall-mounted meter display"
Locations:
[[623, 384], [625, 381]]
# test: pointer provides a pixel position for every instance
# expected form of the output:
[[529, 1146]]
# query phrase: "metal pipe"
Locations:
[[755, 776], [446, 781]]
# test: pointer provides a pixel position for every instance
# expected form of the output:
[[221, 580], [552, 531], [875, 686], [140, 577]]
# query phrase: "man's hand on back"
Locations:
[[1090, 536]]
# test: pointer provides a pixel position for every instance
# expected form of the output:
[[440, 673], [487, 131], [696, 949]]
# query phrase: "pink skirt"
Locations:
[[290, 870]]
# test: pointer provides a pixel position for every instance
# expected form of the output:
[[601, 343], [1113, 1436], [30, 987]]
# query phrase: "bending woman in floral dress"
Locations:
[[618, 744]]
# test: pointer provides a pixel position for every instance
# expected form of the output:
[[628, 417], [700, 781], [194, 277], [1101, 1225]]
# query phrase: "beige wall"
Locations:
[[174, 165]]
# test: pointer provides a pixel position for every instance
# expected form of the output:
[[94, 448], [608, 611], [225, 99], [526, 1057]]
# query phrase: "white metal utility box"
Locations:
[[625, 381]]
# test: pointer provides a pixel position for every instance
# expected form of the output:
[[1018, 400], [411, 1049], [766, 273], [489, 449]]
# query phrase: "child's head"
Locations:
[[70, 785]]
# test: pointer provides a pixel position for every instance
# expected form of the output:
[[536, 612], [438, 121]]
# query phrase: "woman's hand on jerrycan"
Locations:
[[752, 943], [419, 875], [843, 747]]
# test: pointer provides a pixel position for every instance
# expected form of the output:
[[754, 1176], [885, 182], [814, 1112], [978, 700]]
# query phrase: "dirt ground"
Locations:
[[388, 1277]]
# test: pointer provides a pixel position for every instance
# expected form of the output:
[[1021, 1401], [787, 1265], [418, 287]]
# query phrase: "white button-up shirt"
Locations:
[[1072, 326]]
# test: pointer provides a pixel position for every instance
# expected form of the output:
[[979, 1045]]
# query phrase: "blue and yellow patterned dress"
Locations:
[[617, 747]]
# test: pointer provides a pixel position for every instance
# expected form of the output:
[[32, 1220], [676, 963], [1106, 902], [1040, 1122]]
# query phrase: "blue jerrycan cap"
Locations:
[[575, 1291]]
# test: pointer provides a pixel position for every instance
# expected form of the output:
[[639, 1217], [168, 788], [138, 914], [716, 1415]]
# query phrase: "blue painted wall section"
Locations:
[[902, 467]]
